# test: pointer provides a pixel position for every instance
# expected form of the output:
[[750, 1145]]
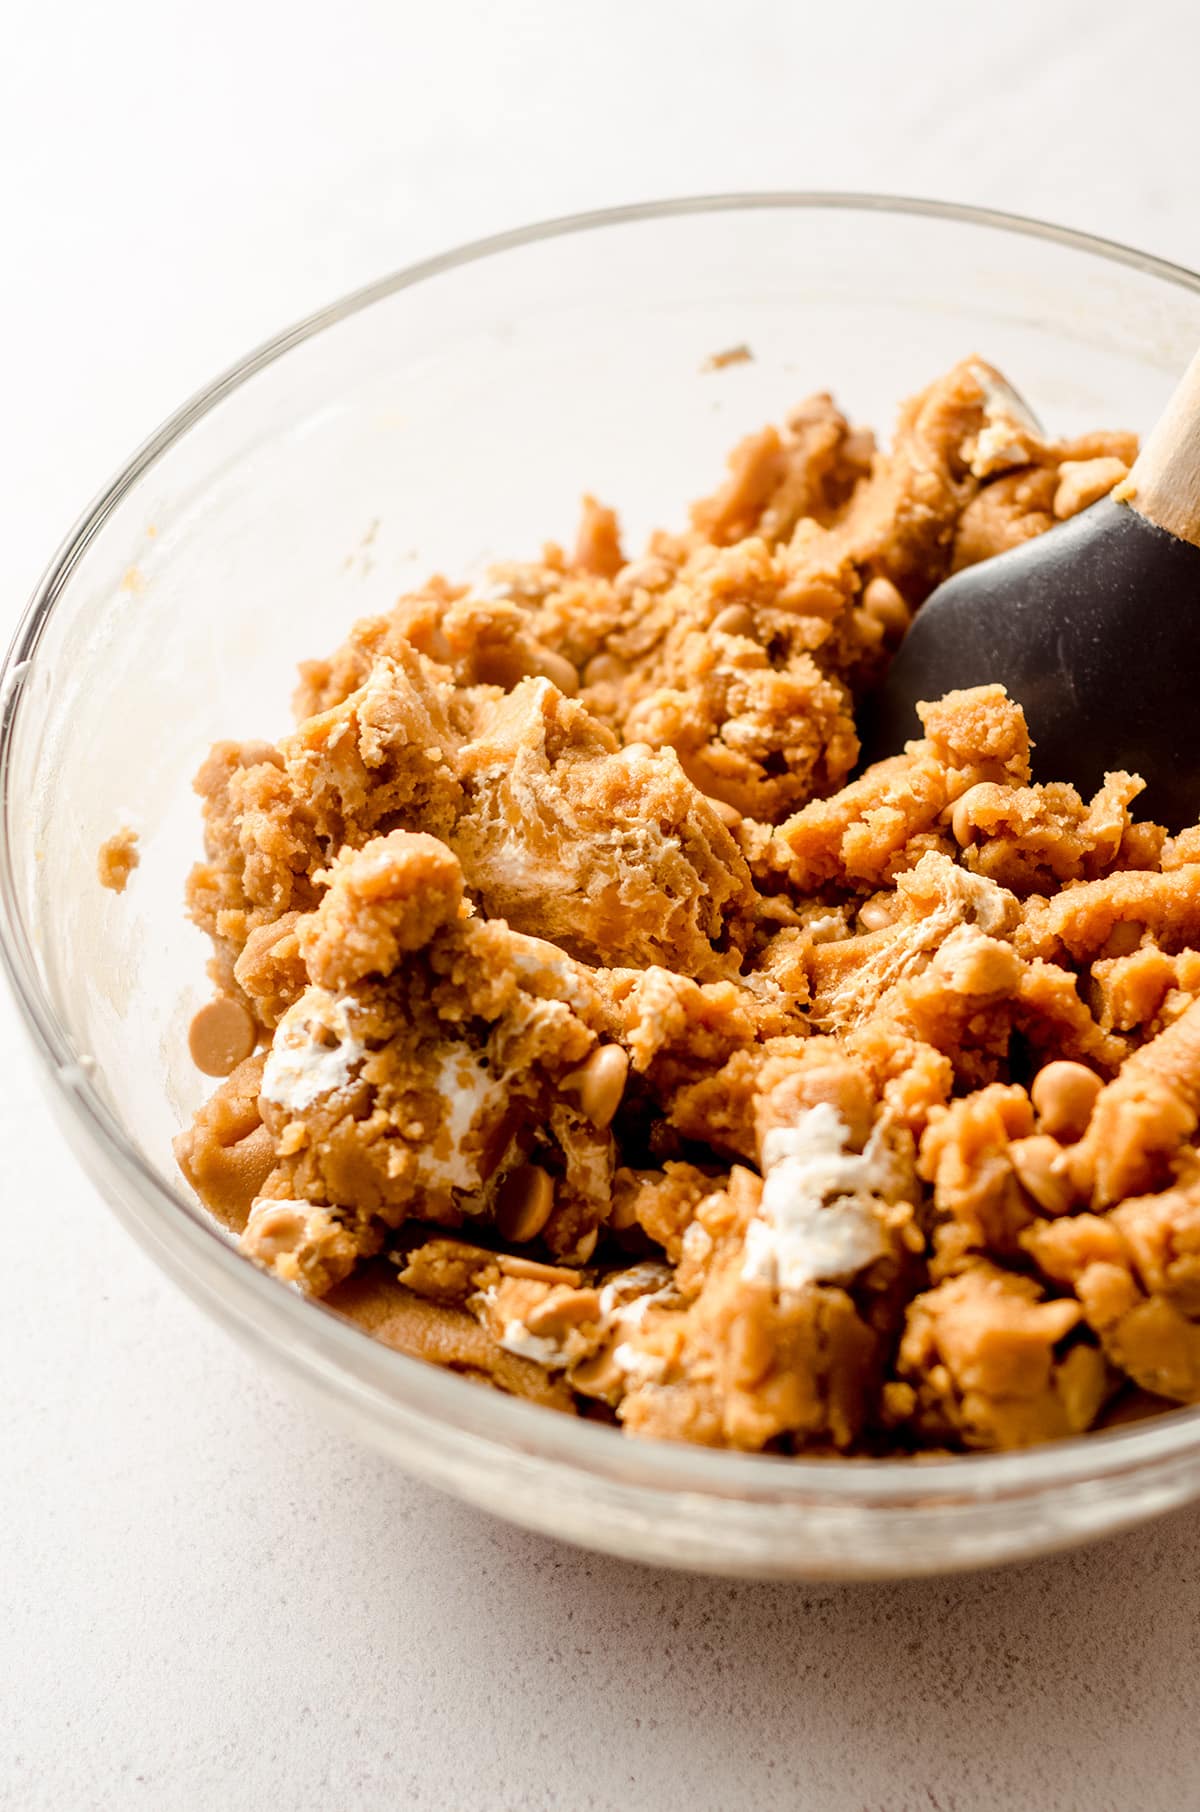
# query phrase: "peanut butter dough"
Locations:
[[618, 1050], [117, 859]]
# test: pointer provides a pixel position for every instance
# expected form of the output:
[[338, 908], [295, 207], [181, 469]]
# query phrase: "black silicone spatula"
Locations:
[[1094, 628]]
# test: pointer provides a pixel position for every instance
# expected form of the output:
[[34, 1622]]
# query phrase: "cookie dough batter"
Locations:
[[595, 1034]]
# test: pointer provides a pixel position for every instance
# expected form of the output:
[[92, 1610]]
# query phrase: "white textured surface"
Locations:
[[205, 1599]]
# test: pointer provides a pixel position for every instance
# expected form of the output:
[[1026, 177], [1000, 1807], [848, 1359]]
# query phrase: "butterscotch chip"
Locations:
[[278, 1227], [604, 670], [560, 671], [600, 1377], [1063, 1095], [221, 1035], [599, 1084], [735, 619], [524, 1203], [882, 601], [1040, 1163], [562, 1310]]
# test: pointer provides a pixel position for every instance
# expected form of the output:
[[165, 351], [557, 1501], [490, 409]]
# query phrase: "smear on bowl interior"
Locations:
[[595, 1035]]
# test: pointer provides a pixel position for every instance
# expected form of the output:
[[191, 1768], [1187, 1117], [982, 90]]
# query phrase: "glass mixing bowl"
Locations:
[[443, 417]]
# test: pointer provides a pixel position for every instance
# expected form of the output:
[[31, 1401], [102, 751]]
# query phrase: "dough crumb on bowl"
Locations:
[[117, 858], [732, 355], [621, 1049]]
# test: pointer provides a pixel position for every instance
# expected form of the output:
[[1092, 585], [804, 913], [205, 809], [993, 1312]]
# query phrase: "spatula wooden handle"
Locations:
[[1164, 485]]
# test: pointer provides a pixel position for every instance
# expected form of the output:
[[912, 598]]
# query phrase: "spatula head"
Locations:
[[1094, 628]]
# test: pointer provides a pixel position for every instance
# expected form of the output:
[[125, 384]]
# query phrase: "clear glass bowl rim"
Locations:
[[319, 1342]]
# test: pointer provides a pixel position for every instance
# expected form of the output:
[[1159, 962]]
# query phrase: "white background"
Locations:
[[205, 1599]]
